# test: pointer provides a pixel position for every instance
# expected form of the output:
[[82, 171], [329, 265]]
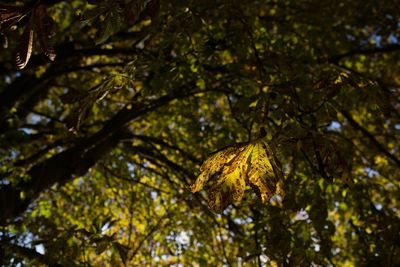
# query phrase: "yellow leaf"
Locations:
[[230, 170], [214, 164], [231, 183], [262, 177]]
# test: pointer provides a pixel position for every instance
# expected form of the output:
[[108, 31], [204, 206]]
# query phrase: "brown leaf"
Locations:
[[23, 50], [10, 15], [10, 11]]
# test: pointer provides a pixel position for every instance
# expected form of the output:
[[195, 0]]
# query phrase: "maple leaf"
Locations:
[[230, 170]]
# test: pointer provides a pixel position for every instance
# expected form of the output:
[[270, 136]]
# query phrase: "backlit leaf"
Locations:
[[112, 25], [214, 164], [122, 251], [235, 167], [263, 174]]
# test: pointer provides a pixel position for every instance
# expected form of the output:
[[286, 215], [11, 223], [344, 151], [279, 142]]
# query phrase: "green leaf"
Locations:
[[112, 25], [102, 246], [122, 251]]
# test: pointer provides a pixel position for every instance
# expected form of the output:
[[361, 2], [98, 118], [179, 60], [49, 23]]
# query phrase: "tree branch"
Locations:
[[29, 253], [367, 51], [367, 134]]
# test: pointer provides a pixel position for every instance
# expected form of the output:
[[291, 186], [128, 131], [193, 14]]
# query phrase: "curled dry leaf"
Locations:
[[11, 14], [24, 48], [39, 21], [230, 170]]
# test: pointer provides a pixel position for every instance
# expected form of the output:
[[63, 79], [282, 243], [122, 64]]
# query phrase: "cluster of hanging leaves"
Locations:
[[231, 169], [9, 16], [36, 20], [108, 14], [81, 101]]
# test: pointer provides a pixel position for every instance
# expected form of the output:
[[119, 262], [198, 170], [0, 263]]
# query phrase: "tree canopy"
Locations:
[[200, 133]]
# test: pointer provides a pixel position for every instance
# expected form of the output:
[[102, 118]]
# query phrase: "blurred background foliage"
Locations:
[[108, 109]]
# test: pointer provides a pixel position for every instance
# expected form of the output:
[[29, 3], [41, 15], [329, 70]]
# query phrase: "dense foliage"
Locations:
[[109, 108]]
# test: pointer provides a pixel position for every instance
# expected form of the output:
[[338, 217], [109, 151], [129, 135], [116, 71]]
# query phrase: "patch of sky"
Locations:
[[371, 172], [202, 121], [227, 211], [264, 260], [7, 79], [39, 249], [183, 238], [378, 206], [14, 153], [243, 221], [388, 16], [334, 126], [79, 182], [377, 40], [4, 182], [105, 227], [336, 251], [131, 167], [392, 39], [27, 130], [154, 195], [301, 215], [34, 118], [276, 198]]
